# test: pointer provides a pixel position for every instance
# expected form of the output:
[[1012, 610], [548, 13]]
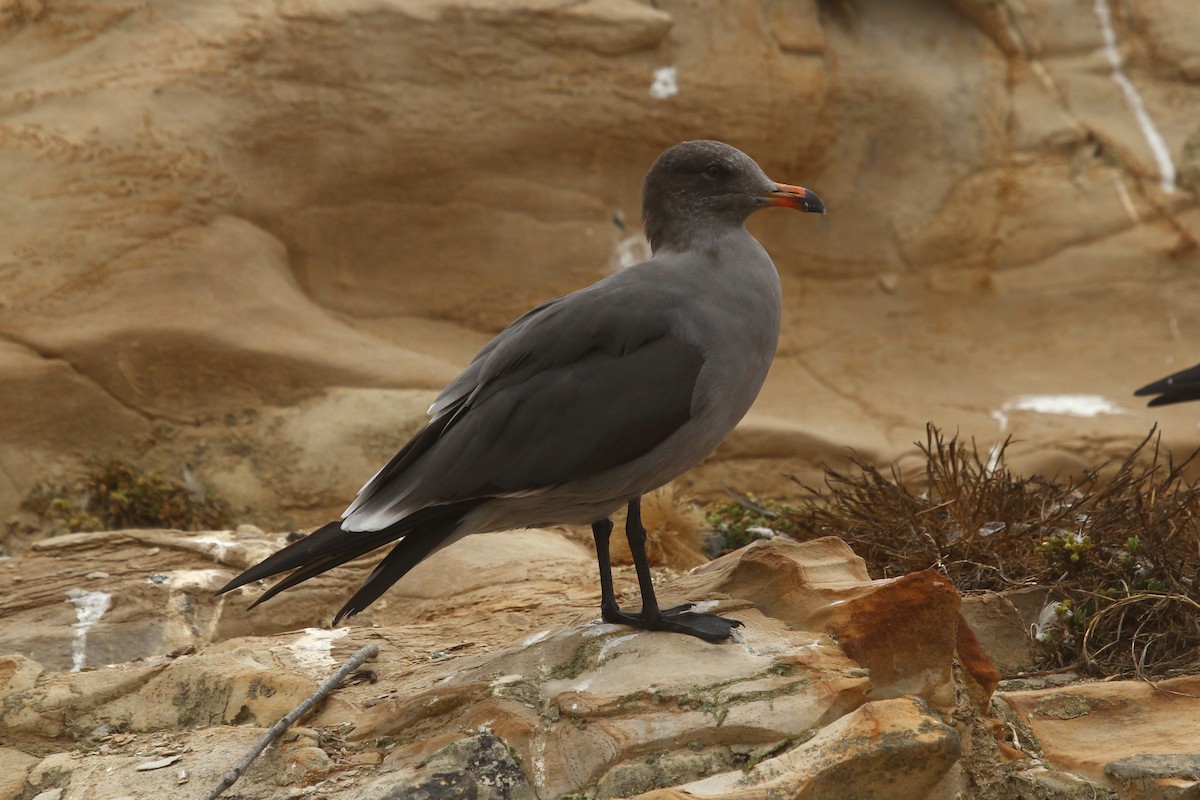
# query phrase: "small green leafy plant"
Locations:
[[118, 496]]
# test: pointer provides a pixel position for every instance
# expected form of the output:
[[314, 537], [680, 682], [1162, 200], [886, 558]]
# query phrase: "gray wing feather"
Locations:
[[468, 381], [579, 385]]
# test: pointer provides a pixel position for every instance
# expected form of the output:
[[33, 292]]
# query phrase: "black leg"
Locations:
[[635, 533], [677, 619], [609, 610]]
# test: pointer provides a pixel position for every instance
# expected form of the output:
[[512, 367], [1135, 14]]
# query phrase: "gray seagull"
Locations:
[[588, 401]]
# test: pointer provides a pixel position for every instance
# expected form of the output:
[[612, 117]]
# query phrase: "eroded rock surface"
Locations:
[[582, 706], [1086, 730], [503, 685], [255, 238], [897, 746], [152, 592]]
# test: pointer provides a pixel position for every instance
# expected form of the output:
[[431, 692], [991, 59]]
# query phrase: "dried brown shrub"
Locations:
[[675, 531], [1121, 546]]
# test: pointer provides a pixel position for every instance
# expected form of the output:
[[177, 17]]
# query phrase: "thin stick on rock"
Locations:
[[285, 722]]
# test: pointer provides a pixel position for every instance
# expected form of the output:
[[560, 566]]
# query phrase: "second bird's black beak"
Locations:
[[796, 197]]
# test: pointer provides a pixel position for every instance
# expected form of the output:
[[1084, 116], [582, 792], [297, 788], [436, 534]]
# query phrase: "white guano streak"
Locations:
[[1158, 146], [665, 83], [313, 650], [1068, 405], [89, 608]]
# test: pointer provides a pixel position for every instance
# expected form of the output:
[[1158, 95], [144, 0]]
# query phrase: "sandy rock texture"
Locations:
[[1084, 730], [505, 684], [254, 238]]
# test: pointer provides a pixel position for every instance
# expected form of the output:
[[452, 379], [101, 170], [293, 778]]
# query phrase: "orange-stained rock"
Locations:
[[902, 633], [903, 630], [495, 672], [979, 669], [257, 237]]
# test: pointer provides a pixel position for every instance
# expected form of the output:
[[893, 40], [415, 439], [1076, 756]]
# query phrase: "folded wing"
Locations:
[[568, 391]]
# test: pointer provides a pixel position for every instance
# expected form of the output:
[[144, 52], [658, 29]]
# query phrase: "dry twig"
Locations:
[[324, 690]]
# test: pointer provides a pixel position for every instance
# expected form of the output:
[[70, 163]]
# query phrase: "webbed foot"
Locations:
[[678, 619]]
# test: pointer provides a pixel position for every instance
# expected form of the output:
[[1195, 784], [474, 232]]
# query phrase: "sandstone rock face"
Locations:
[[256, 237], [152, 592], [495, 685], [582, 706], [1006, 624], [1085, 729], [897, 738]]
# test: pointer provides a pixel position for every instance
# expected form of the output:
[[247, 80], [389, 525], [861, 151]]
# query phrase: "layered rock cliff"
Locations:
[[254, 238]]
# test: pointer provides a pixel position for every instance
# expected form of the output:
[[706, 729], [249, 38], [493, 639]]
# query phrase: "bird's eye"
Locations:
[[715, 171]]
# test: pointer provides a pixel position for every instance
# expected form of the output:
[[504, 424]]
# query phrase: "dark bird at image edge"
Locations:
[[588, 401], [1179, 387]]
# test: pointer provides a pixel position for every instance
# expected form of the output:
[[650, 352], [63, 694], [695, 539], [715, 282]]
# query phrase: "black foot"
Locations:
[[678, 619], [708, 627]]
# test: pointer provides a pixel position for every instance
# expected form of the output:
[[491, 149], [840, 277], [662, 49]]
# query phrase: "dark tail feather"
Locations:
[[330, 546], [314, 569], [407, 553], [320, 544]]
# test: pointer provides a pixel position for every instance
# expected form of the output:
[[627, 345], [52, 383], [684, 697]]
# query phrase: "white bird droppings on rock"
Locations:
[[312, 651], [539, 760], [215, 546], [1133, 99], [203, 579], [704, 606], [761, 532], [157, 763], [665, 83], [599, 627], [611, 643], [1069, 405], [89, 608], [534, 638], [503, 679]]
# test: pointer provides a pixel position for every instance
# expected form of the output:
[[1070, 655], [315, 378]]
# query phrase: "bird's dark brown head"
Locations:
[[708, 184]]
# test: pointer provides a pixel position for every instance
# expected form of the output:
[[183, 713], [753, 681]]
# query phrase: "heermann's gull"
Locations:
[[589, 400], [1177, 388]]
